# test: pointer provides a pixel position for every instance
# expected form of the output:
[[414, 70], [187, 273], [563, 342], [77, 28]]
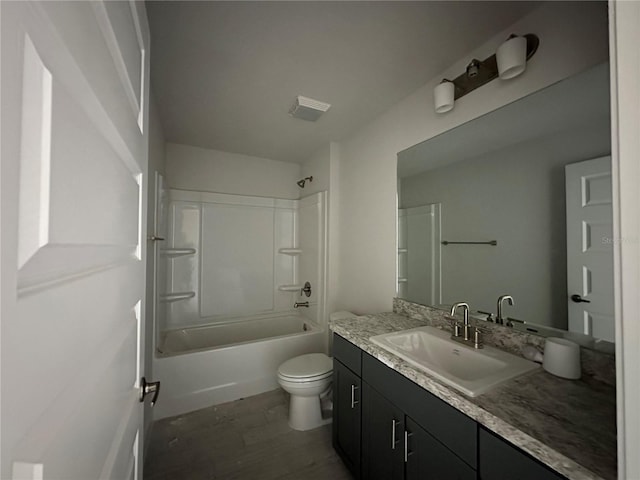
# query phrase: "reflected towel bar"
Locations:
[[492, 242]]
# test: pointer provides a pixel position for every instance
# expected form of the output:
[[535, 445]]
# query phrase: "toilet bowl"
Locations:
[[305, 378]]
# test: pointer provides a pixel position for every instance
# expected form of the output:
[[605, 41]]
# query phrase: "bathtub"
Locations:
[[203, 366]]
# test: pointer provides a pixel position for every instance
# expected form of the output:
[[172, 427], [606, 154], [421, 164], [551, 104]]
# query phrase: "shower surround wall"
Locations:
[[234, 261], [235, 269]]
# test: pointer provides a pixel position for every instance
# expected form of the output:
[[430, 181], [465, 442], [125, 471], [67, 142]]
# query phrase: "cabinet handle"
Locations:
[[406, 446], [354, 402], [394, 426], [393, 434]]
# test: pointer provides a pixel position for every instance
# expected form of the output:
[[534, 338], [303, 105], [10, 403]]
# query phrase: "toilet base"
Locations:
[[305, 413]]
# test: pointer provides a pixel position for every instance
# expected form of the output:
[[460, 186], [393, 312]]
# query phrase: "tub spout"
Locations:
[[301, 304]]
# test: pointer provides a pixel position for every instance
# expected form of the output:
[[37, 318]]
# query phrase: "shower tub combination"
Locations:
[[204, 366], [224, 326]]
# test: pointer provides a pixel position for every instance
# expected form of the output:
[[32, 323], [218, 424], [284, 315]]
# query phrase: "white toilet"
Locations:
[[306, 377]]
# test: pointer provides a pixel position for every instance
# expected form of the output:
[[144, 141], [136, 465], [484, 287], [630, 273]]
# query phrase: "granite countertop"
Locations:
[[569, 425]]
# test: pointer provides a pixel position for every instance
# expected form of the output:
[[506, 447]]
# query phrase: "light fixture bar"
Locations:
[[479, 72]]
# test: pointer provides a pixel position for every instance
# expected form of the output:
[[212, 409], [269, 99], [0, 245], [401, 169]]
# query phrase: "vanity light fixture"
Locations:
[[509, 61], [443, 96], [511, 57]]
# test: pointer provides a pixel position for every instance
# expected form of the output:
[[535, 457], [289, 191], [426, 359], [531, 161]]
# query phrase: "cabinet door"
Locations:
[[347, 404], [427, 459], [382, 437], [499, 460], [452, 428]]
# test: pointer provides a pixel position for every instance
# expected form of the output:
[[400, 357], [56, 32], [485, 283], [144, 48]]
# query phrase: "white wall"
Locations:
[[193, 168], [573, 37], [317, 166], [517, 196]]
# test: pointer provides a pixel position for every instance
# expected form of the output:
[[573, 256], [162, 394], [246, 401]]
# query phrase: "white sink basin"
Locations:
[[464, 368]]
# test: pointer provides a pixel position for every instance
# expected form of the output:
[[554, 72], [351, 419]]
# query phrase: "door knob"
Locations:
[[578, 299], [147, 388]]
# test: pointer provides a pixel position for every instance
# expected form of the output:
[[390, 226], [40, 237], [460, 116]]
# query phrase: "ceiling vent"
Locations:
[[308, 109]]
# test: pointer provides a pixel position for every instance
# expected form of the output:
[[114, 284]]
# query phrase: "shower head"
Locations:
[[302, 182]]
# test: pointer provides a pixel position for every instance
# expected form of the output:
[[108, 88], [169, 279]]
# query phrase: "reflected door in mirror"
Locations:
[[590, 248]]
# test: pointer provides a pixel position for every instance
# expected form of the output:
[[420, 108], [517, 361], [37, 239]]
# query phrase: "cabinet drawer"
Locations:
[[499, 460], [452, 428], [347, 353]]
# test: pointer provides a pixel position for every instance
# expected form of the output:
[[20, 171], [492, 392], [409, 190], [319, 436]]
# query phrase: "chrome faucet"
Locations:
[[465, 319], [470, 335], [301, 304], [501, 299]]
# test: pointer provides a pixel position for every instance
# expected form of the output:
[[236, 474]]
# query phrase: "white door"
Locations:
[[74, 157], [590, 248]]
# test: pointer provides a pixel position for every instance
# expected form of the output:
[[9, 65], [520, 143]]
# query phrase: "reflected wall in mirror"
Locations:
[[535, 176]]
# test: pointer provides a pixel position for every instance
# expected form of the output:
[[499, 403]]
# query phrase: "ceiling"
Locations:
[[224, 74]]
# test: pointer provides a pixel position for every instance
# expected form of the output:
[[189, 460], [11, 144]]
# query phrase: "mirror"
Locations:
[[516, 202]]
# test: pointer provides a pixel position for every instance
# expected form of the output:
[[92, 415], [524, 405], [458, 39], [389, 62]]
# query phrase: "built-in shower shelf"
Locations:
[[402, 280], [174, 297], [290, 288], [402, 250], [177, 252], [290, 251]]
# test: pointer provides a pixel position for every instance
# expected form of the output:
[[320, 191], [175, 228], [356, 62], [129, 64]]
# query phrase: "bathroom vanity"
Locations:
[[393, 421]]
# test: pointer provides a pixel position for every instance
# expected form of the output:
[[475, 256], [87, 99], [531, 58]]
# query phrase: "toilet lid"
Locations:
[[310, 365]]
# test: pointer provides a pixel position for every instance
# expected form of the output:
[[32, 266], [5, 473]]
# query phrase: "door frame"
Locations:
[[624, 36]]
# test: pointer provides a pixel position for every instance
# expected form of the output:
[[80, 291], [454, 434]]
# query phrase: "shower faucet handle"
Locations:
[[301, 304], [306, 290]]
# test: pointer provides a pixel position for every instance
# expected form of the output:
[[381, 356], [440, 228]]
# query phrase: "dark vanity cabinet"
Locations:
[[386, 427], [423, 436], [427, 458], [500, 460], [347, 406], [395, 447]]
